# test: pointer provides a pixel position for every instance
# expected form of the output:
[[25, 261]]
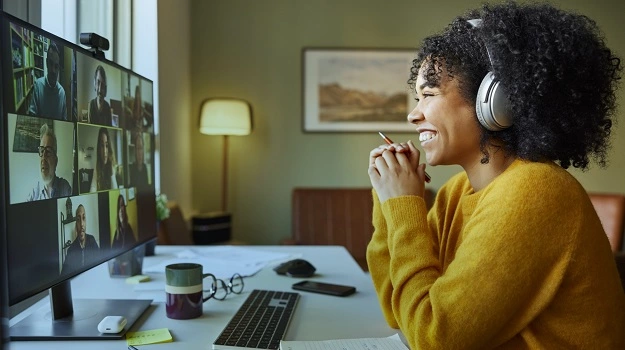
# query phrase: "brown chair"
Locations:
[[620, 266], [611, 210], [335, 216], [174, 230]]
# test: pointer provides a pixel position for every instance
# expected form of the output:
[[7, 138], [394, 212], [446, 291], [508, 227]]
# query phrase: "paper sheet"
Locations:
[[390, 343], [238, 255], [209, 265], [224, 261]]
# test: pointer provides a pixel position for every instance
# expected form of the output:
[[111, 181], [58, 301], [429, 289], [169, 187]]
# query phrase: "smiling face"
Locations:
[[448, 129], [48, 159]]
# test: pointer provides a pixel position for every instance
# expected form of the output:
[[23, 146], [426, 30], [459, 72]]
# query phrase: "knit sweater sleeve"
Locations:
[[378, 260], [378, 257], [475, 301]]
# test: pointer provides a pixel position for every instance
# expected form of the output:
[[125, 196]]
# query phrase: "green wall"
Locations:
[[252, 50]]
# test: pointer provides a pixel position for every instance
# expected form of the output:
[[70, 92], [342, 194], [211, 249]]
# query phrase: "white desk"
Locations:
[[317, 317]]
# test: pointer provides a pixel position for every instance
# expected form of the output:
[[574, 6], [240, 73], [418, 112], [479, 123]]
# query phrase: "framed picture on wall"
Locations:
[[27, 133], [356, 90]]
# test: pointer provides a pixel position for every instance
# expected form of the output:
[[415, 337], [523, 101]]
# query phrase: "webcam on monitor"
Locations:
[[97, 43]]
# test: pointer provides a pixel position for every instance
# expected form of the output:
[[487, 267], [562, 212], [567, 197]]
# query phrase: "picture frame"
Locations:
[[27, 133], [356, 89]]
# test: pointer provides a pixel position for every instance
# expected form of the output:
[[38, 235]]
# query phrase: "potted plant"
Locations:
[[162, 213]]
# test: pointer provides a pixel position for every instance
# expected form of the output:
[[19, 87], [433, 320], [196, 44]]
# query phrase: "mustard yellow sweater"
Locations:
[[522, 264]]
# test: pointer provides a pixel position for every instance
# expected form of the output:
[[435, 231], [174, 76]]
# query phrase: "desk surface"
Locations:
[[317, 317]]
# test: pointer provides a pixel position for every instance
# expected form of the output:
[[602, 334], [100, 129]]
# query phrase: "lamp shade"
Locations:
[[225, 116]]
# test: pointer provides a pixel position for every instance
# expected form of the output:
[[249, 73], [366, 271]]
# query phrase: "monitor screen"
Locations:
[[78, 159]]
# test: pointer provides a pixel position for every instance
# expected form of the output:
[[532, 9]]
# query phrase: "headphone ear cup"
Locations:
[[491, 104]]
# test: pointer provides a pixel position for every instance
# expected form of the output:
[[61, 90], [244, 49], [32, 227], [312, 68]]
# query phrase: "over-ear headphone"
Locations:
[[491, 104]]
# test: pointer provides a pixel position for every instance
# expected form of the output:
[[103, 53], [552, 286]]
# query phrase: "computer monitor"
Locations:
[[77, 150], [4, 292], [4, 295], [4, 314]]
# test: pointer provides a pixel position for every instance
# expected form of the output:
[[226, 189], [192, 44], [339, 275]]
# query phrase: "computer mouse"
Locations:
[[296, 268]]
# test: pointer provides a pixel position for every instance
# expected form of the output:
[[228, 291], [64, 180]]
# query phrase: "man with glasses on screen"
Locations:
[[48, 97], [50, 185]]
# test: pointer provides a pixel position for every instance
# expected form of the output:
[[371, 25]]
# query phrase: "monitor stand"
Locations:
[[68, 319]]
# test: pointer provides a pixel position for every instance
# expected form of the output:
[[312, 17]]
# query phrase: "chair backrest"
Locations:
[[610, 208], [620, 266], [336, 216], [174, 230]]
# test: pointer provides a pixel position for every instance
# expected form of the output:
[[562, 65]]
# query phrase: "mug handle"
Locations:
[[213, 289]]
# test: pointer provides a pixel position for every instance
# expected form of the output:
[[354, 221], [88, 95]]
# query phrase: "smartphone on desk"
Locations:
[[325, 288]]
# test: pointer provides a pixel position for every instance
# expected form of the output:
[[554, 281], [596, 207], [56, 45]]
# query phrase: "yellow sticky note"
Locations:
[[153, 336], [137, 279]]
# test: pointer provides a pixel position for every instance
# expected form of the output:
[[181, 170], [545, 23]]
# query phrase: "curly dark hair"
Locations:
[[560, 77]]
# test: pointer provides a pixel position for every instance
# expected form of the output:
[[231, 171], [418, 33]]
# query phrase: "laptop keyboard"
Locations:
[[260, 323]]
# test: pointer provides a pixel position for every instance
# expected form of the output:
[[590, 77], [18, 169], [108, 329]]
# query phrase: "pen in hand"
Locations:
[[390, 142]]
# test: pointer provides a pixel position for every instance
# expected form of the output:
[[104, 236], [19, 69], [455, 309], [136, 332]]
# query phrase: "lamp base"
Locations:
[[211, 228]]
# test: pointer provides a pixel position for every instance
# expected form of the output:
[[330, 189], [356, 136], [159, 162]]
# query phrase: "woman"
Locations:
[[104, 175], [100, 110], [124, 235], [138, 171], [512, 254], [137, 111]]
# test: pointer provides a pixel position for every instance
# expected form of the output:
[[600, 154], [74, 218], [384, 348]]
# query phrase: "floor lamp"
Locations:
[[225, 116]]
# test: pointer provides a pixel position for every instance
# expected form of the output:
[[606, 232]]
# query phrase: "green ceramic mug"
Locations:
[[184, 290]]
